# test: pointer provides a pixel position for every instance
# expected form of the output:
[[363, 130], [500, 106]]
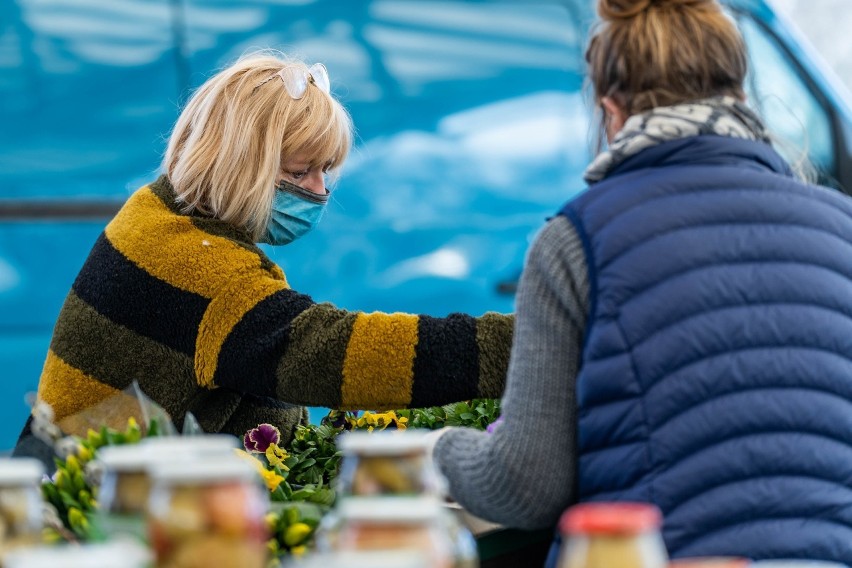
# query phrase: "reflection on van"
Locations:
[[472, 127]]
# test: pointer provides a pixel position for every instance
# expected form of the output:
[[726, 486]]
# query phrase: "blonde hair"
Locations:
[[650, 53], [228, 144]]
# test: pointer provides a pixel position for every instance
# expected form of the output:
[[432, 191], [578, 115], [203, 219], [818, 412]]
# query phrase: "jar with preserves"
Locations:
[[464, 549], [369, 524], [21, 503], [602, 535], [125, 483], [123, 493], [207, 512], [386, 463], [393, 464]]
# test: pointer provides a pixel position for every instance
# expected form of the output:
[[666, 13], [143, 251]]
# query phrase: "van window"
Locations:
[[471, 129], [792, 112]]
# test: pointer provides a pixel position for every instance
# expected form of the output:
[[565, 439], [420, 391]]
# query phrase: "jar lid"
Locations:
[[385, 442], [610, 518], [125, 458], [203, 469], [138, 457], [20, 470], [390, 509], [118, 553], [194, 445]]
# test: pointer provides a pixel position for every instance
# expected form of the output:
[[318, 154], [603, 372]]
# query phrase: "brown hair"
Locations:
[[228, 143], [650, 53]]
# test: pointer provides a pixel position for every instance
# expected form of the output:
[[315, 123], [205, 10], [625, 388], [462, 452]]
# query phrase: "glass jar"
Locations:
[[126, 485], [208, 509], [387, 463], [371, 524], [115, 554], [464, 549], [602, 535], [393, 464], [21, 503], [123, 493]]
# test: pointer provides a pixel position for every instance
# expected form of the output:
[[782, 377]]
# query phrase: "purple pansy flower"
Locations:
[[491, 427], [257, 440]]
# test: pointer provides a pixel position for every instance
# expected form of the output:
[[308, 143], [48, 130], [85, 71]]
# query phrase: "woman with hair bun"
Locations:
[[176, 295], [683, 330]]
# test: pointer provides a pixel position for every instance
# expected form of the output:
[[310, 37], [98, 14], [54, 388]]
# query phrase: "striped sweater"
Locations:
[[204, 321]]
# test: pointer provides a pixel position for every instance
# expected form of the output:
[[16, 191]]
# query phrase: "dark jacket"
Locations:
[[716, 379]]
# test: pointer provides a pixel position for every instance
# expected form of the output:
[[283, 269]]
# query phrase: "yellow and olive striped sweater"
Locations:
[[190, 308]]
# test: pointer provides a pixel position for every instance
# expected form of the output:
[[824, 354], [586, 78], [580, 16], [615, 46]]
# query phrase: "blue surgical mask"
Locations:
[[295, 211]]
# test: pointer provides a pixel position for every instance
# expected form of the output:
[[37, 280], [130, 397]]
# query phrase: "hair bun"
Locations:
[[625, 9]]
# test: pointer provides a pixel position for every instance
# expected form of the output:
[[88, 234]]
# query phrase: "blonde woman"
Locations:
[[176, 295]]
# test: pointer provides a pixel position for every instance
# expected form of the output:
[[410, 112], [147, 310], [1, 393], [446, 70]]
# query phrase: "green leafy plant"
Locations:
[[299, 476], [73, 488], [476, 413]]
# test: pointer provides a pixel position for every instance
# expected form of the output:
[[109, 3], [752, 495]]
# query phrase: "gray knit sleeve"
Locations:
[[522, 475]]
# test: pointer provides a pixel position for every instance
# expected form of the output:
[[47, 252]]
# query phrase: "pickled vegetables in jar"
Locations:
[[602, 535], [393, 524], [21, 503], [386, 463], [123, 493], [126, 484], [209, 512]]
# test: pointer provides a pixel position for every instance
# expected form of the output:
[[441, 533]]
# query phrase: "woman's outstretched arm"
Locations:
[[523, 474]]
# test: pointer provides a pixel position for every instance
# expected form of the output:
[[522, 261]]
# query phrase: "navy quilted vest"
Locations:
[[717, 371]]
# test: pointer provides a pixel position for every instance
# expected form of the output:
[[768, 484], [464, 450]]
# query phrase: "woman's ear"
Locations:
[[615, 115]]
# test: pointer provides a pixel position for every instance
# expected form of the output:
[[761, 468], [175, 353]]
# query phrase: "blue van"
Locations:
[[472, 127]]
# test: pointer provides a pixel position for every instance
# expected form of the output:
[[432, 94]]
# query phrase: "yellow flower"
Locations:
[[276, 456], [50, 536], [298, 550], [272, 479], [77, 519], [72, 465], [244, 455], [296, 534], [84, 454], [271, 520], [272, 546]]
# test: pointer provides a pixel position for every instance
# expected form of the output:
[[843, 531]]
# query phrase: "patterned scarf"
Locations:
[[723, 116]]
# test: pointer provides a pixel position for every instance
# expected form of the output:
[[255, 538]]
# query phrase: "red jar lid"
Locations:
[[610, 518]]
